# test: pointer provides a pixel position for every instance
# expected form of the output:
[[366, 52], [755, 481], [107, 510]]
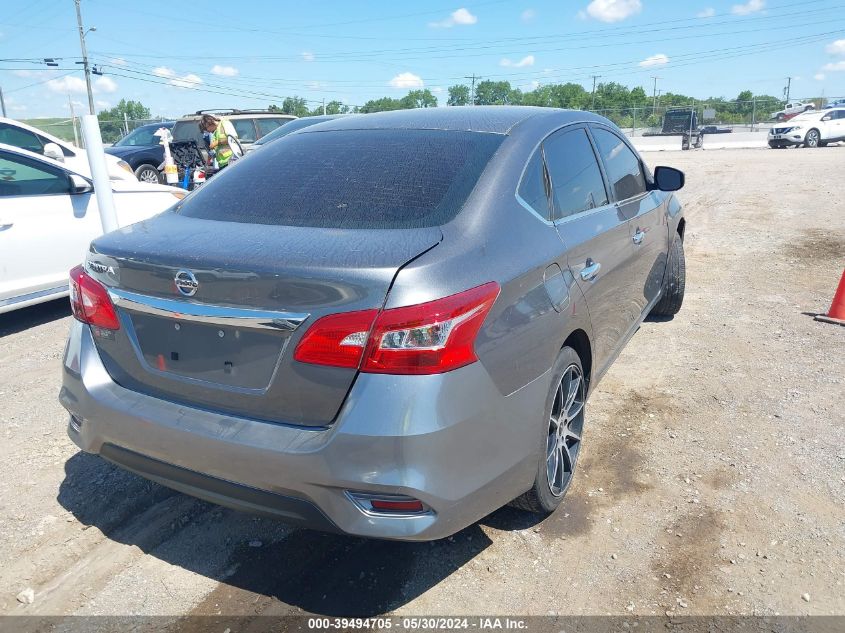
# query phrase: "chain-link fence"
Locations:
[[723, 115], [70, 129]]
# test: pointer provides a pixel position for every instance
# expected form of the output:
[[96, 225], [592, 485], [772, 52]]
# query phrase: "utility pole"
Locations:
[[594, 90], [324, 106], [472, 93], [2, 102], [654, 108], [73, 122], [84, 56], [788, 85]]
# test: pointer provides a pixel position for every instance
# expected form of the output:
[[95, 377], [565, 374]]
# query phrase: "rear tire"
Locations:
[[675, 283], [148, 173], [561, 437]]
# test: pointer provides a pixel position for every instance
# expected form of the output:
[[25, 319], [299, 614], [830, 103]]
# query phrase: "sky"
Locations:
[[180, 57]]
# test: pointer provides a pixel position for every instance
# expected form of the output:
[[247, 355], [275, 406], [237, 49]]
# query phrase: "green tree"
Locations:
[[458, 95], [497, 93], [419, 99], [296, 106], [381, 105], [111, 120]]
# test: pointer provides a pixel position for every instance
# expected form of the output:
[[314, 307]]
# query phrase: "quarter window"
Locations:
[[265, 126], [532, 189], [23, 177], [623, 167], [577, 184]]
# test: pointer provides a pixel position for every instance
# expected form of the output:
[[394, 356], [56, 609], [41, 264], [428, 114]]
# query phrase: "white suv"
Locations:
[[792, 109], [811, 129]]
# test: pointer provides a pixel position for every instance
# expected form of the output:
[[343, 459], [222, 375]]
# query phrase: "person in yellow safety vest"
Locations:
[[220, 131]]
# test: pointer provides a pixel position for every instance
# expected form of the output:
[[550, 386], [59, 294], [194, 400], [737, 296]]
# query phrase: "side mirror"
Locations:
[[51, 150], [827, 118], [668, 178], [78, 184]]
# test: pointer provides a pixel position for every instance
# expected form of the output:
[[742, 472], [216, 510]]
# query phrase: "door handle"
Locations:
[[638, 237], [590, 271]]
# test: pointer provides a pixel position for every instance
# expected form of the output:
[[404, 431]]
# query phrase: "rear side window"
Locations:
[[245, 130], [623, 167], [265, 126], [365, 179], [577, 184], [532, 189], [18, 137]]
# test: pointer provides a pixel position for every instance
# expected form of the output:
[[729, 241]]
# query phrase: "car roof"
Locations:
[[239, 114], [157, 125], [50, 137], [491, 119]]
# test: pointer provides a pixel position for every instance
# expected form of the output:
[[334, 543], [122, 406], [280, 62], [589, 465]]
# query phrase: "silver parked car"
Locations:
[[388, 326]]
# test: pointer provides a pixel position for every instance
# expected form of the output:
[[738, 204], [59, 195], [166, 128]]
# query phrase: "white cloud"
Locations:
[[224, 71], [407, 80], [438, 89], [655, 60], [315, 85], [164, 71], [528, 15], [752, 6], [18, 107], [67, 84], [834, 67], [836, 48], [186, 81], [528, 60], [459, 17], [118, 61], [819, 76], [23, 73], [104, 84], [707, 13], [308, 56], [102, 104], [613, 10], [531, 85]]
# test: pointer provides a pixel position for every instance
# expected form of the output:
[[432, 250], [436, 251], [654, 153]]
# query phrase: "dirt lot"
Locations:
[[712, 480]]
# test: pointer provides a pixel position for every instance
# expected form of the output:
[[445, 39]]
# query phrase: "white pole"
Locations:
[[99, 172]]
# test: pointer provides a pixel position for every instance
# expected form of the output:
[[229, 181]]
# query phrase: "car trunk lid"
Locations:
[[223, 337]]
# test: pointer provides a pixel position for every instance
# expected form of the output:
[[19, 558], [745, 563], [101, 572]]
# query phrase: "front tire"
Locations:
[[675, 283], [812, 139], [561, 437], [148, 173]]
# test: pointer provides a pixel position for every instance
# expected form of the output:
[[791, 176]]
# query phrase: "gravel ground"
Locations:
[[712, 478]]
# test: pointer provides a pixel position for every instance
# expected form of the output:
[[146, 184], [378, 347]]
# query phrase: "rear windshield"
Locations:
[[365, 179]]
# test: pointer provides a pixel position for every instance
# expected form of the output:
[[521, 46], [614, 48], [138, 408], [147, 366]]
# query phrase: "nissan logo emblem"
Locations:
[[186, 283]]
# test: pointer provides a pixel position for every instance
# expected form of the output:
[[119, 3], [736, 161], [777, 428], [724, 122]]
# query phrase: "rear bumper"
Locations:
[[450, 440]]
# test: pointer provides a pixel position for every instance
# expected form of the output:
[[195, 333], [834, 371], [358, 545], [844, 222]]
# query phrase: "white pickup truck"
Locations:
[[792, 109]]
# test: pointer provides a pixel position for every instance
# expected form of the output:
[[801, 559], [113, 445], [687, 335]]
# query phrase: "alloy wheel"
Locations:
[[148, 175], [565, 425], [812, 139]]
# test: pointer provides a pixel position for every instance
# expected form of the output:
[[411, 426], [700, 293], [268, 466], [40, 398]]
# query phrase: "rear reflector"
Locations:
[[397, 506], [428, 338], [90, 301], [376, 503]]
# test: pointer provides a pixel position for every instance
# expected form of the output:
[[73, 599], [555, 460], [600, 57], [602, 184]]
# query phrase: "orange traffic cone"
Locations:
[[836, 314]]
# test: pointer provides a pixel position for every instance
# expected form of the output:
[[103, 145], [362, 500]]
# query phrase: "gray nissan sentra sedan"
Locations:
[[386, 325]]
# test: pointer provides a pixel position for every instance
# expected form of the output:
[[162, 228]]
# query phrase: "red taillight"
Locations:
[[90, 301], [428, 338], [337, 340]]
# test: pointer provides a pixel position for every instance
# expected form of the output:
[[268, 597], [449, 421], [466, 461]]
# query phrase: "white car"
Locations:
[[48, 217], [811, 129], [792, 109], [32, 139]]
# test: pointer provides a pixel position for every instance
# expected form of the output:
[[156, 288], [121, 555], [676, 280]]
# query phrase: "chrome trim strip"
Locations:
[[204, 313], [34, 295]]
